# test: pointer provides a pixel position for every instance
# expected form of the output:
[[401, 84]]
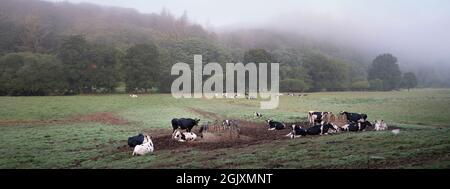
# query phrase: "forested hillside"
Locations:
[[63, 48]]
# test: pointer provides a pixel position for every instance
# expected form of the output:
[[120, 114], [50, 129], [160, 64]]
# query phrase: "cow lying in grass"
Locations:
[[354, 117], [184, 124], [354, 127], [257, 114], [184, 136], [274, 125], [137, 140], [145, 148], [298, 131], [380, 125]]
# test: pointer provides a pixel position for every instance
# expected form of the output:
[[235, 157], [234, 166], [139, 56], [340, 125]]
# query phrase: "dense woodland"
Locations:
[[65, 49]]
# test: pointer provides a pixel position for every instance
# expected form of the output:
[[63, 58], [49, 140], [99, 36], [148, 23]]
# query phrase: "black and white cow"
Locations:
[[184, 136], [365, 124], [135, 140], [274, 125], [320, 129], [297, 131], [184, 124], [355, 117], [144, 148], [355, 127], [257, 114], [316, 117]]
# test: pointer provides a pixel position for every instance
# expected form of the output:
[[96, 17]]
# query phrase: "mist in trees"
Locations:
[[63, 48]]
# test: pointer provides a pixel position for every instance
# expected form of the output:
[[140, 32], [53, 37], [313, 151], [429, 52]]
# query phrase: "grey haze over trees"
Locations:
[[98, 48]]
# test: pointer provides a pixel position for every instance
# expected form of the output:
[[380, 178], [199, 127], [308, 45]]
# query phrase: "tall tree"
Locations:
[[142, 67], [409, 80], [103, 68], [386, 69], [74, 53]]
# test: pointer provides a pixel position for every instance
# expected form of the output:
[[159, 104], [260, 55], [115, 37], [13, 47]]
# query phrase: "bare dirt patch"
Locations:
[[250, 133]]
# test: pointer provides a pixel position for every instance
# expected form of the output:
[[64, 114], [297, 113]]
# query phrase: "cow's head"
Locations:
[[269, 120], [196, 121]]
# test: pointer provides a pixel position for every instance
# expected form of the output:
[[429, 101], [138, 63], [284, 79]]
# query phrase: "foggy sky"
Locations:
[[416, 31]]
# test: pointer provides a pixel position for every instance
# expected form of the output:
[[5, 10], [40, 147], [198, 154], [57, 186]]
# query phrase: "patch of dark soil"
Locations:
[[101, 117]]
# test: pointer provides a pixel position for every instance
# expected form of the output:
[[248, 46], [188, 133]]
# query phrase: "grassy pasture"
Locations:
[[55, 140]]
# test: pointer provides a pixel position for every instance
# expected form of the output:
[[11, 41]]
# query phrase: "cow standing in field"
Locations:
[[274, 125], [354, 117], [317, 117], [184, 124]]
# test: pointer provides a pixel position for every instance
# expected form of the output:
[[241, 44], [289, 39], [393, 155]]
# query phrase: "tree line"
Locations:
[[80, 67]]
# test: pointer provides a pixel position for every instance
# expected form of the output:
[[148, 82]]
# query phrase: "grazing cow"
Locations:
[[297, 131], [274, 125], [380, 125], [316, 117], [136, 140], [257, 114], [133, 96], [184, 124], [184, 136], [144, 148], [355, 117]]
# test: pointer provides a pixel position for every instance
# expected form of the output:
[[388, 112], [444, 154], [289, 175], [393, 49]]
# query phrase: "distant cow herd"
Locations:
[[320, 123]]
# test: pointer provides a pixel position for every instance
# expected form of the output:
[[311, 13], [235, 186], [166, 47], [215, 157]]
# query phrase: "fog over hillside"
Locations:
[[414, 31]]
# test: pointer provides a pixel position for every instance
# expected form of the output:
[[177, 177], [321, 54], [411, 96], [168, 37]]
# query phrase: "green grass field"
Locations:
[[40, 132]]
